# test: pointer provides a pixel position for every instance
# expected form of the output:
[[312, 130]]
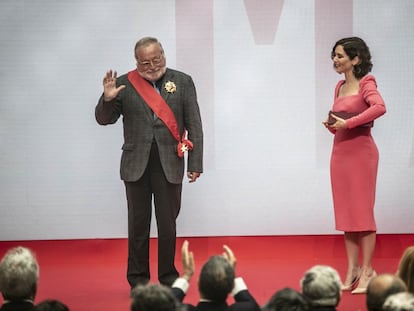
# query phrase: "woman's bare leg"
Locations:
[[352, 252], [368, 240]]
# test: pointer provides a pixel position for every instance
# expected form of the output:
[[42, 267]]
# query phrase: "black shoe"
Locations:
[[168, 281]]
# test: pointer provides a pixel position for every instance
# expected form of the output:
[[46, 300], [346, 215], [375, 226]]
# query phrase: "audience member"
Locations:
[[51, 305], [380, 288], [321, 287], [399, 302], [286, 299], [216, 281], [154, 297], [19, 273], [406, 268]]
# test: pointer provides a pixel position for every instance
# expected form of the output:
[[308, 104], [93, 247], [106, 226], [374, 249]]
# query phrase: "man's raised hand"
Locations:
[[109, 84]]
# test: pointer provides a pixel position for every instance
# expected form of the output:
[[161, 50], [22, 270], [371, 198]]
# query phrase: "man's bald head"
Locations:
[[380, 287]]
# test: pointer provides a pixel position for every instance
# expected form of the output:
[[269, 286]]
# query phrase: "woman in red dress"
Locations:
[[354, 159]]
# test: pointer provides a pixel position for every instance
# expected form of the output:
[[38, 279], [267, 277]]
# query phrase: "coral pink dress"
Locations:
[[354, 159]]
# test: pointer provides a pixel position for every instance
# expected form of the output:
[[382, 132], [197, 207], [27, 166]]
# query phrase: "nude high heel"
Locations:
[[363, 282], [351, 281]]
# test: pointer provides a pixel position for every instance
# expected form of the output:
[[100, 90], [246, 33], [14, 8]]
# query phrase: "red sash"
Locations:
[[161, 109]]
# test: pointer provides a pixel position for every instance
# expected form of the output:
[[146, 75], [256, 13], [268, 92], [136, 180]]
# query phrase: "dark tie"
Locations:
[[158, 91]]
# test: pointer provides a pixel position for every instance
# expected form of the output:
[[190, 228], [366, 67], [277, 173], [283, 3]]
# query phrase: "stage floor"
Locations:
[[90, 274]]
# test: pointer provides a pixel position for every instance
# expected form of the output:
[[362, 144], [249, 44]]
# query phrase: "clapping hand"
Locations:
[[109, 84], [229, 255], [187, 259]]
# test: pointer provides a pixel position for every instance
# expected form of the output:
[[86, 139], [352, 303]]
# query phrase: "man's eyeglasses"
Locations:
[[153, 62]]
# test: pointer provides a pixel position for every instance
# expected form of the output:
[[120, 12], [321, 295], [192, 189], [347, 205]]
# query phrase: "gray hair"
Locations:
[[145, 42], [321, 286], [19, 273], [403, 301]]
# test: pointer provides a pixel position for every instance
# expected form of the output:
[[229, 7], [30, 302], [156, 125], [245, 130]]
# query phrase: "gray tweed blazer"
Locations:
[[140, 127]]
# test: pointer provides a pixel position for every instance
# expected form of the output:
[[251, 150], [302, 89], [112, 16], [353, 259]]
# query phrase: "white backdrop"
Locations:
[[265, 82]]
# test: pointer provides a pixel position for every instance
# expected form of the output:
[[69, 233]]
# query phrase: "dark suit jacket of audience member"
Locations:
[[244, 302], [17, 306]]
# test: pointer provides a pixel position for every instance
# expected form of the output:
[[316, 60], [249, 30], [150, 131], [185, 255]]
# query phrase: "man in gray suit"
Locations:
[[158, 106]]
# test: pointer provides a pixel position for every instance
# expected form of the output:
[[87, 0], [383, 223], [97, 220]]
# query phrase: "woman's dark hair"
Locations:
[[353, 47]]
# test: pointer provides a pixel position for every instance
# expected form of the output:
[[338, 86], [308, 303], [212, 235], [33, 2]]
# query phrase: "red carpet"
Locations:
[[90, 274]]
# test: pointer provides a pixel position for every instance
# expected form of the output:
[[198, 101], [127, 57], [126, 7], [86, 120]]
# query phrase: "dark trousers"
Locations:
[[167, 202]]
